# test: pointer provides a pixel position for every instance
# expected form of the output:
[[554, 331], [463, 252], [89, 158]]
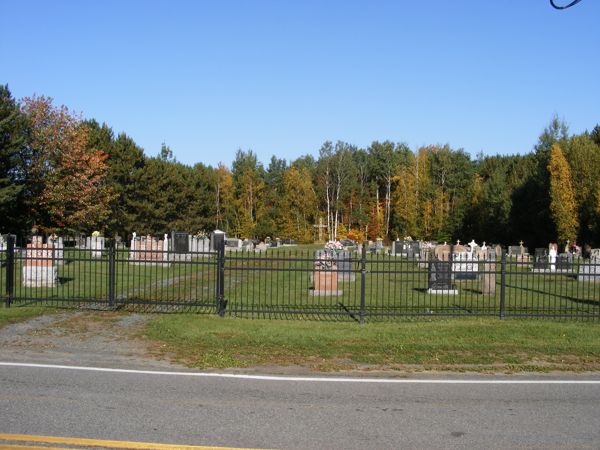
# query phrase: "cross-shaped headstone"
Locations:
[[320, 227], [458, 242], [472, 244], [521, 250]]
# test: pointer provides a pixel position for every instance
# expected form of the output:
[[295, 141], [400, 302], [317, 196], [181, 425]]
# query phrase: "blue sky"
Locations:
[[282, 77]]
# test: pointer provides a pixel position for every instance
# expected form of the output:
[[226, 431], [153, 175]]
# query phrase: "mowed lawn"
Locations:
[[454, 344], [457, 344]]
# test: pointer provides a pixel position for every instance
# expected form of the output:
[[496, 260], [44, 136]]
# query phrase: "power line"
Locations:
[[555, 6]]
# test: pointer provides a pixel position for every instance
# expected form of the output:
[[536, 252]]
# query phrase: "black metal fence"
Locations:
[[285, 283]]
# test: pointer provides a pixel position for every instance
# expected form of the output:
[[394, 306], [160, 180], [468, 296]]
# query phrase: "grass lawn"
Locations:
[[478, 344], [12, 315]]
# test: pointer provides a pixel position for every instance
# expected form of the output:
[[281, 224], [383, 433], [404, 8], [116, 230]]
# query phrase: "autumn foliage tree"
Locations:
[[563, 207], [68, 179]]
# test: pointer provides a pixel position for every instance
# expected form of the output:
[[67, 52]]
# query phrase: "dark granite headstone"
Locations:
[[541, 261], [564, 262], [216, 240], [440, 275], [181, 243], [413, 249]]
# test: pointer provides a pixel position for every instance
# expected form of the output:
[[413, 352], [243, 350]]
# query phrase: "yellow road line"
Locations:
[[29, 447], [98, 443]]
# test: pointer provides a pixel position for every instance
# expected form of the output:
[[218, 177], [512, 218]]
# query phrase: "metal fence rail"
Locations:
[[283, 283]]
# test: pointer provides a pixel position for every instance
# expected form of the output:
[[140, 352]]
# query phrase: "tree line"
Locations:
[[64, 173]]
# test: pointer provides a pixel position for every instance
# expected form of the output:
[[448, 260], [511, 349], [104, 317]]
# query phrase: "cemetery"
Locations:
[[179, 271]]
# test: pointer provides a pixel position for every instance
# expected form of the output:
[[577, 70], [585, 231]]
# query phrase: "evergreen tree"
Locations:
[[14, 161]]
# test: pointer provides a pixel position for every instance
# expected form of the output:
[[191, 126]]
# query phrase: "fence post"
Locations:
[[10, 268], [221, 277], [111, 273], [502, 283], [363, 278]]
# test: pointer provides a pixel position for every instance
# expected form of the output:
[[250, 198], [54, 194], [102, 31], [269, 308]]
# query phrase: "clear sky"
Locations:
[[282, 77]]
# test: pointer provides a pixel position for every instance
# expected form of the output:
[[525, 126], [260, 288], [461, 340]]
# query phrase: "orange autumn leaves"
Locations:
[[68, 178]]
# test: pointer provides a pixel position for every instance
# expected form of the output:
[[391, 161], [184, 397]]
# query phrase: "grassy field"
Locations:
[[456, 344], [278, 284], [462, 344]]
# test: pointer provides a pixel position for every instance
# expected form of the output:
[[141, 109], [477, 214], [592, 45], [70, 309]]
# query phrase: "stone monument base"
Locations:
[[442, 291], [315, 293], [39, 276]]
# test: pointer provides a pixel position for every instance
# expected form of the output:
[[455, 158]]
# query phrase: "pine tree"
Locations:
[[563, 207], [13, 162]]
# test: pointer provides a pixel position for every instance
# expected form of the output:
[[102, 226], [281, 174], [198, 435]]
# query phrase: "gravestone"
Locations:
[[181, 242], [488, 277], [442, 252], [498, 250], [440, 278], [564, 262], [199, 245], [464, 265], [233, 244], [343, 261], [247, 245], [541, 261], [405, 248], [590, 270], [514, 250], [217, 238], [39, 269], [148, 250], [325, 279], [261, 247], [95, 244]]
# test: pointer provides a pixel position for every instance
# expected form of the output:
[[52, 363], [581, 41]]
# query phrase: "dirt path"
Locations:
[[101, 339]]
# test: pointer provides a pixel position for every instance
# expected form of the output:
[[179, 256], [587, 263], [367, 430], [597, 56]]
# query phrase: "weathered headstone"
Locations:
[[488, 278]]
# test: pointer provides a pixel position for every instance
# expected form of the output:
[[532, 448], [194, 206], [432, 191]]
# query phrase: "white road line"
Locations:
[[304, 379]]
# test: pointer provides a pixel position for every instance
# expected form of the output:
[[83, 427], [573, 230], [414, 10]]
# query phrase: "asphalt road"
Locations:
[[299, 414]]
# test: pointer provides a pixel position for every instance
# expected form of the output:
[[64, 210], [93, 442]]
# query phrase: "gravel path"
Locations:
[[103, 339]]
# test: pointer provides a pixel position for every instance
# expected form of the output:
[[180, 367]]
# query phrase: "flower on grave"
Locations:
[[95, 233], [53, 237], [408, 238], [333, 247], [325, 261], [201, 235], [35, 229]]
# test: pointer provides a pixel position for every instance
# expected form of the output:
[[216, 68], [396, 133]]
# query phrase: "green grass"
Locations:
[[12, 315], [442, 344]]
